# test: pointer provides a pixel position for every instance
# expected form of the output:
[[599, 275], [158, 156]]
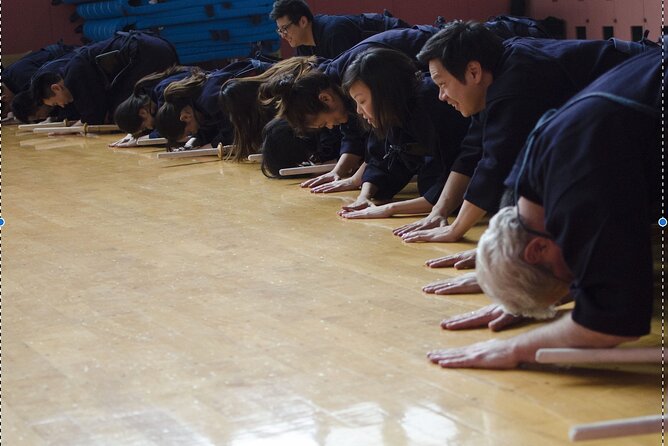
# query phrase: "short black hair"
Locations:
[[24, 106], [40, 87], [294, 9], [283, 148], [126, 115], [459, 43]]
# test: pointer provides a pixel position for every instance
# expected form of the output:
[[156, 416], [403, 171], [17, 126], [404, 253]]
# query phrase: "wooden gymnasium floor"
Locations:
[[194, 302]]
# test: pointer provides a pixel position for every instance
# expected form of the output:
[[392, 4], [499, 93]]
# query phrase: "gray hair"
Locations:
[[504, 275]]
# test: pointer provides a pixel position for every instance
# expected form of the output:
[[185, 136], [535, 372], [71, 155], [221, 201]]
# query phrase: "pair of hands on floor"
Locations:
[[496, 354], [424, 230], [493, 316], [489, 354]]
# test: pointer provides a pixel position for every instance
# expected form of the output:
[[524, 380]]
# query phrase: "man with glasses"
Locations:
[[588, 183], [326, 35]]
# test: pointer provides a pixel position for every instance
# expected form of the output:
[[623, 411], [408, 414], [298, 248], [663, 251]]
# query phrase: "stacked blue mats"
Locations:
[[200, 30]]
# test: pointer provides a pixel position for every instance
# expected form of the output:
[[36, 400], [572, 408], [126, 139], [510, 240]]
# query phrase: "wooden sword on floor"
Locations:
[[85, 129], [31, 127], [220, 152]]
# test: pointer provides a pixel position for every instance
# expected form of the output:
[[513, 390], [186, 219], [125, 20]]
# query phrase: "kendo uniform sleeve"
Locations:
[[506, 125], [470, 150], [215, 126], [439, 126], [431, 179], [433, 189], [353, 137], [328, 145]]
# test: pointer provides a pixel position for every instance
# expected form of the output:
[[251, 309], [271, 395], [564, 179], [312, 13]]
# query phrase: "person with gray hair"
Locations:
[[587, 185], [522, 288]]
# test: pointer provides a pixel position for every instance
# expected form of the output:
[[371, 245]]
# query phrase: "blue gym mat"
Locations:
[[204, 51], [242, 29], [175, 8]]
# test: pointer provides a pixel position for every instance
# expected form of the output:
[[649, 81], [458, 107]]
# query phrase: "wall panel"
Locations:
[[594, 14], [31, 24]]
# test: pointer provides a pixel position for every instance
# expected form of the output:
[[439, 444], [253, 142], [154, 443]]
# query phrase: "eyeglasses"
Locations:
[[516, 197], [529, 230], [283, 30]]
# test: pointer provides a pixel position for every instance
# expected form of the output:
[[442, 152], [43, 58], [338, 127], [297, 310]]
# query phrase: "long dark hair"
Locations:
[[250, 110], [178, 95], [298, 97], [393, 80], [282, 148], [24, 106], [126, 115], [247, 115]]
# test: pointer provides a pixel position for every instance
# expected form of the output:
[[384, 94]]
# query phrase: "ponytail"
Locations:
[[150, 80], [126, 115], [250, 107], [299, 97], [186, 89], [239, 100]]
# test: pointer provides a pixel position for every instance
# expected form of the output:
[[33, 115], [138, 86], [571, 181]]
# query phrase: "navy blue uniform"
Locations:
[[17, 76], [508, 27], [408, 41], [595, 168], [56, 65], [98, 91], [156, 92], [426, 145], [215, 125], [334, 34], [533, 76], [327, 145]]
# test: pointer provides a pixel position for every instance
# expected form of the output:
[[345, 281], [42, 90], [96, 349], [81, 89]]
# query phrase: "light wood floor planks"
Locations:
[[194, 302]]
